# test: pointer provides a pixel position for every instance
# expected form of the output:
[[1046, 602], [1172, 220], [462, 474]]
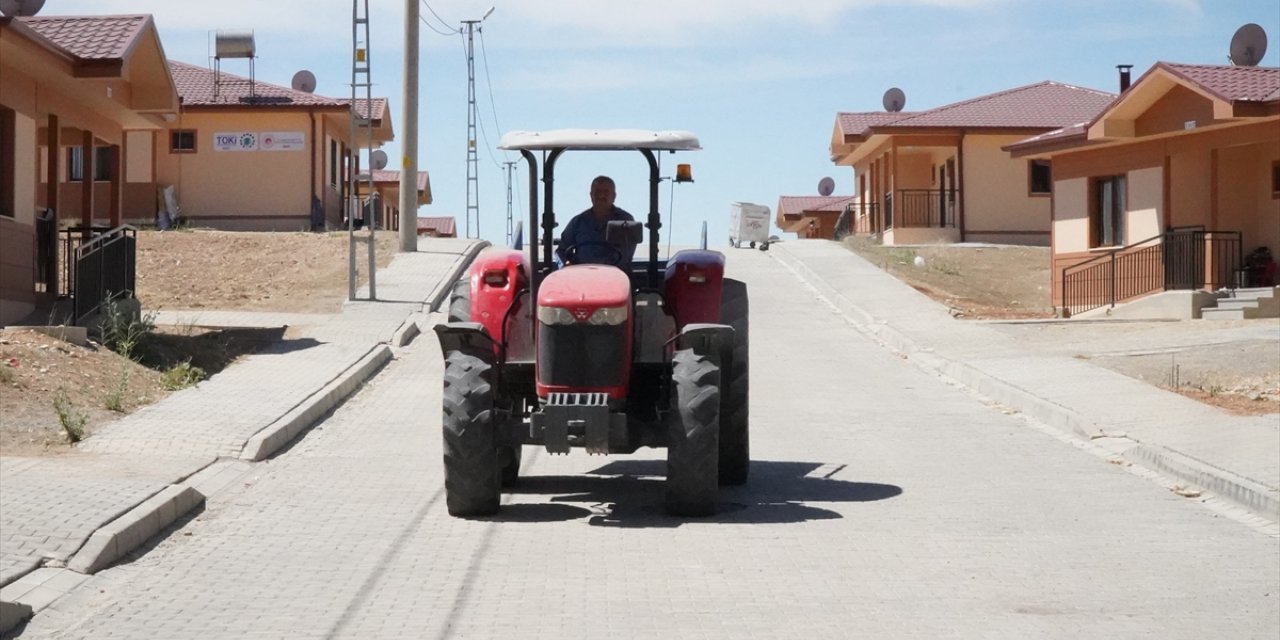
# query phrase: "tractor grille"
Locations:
[[582, 355]]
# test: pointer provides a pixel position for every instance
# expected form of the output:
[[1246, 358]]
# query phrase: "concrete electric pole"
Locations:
[[409, 142]]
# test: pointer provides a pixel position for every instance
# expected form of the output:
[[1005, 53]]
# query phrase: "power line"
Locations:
[[449, 29], [488, 81]]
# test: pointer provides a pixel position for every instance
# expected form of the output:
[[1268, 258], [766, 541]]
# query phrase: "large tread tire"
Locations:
[[460, 301], [471, 471], [509, 457], [735, 437], [693, 426]]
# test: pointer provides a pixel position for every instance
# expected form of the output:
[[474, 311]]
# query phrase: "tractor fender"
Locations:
[[710, 340], [692, 284], [470, 338]]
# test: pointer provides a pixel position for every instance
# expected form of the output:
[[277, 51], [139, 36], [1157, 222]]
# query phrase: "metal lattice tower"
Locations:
[[473, 161], [361, 128], [510, 223]]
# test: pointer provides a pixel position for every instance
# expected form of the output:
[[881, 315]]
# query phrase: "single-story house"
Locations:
[[942, 175], [85, 87], [1168, 187], [810, 216], [438, 227], [248, 155], [386, 184]]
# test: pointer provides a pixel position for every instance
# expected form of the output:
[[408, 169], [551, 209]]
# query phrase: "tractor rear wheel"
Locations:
[[693, 425], [471, 472], [460, 301], [735, 441]]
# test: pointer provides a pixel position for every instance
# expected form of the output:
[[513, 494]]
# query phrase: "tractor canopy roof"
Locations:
[[600, 139]]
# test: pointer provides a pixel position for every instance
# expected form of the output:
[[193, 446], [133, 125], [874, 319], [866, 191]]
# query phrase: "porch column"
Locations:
[[53, 143], [86, 183], [959, 180], [115, 190]]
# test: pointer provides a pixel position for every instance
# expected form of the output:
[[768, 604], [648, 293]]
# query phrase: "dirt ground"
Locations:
[[181, 269]]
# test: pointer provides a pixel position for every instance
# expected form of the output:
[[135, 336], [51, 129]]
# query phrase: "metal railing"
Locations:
[[105, 269], [1184, 258], [858, 218], [931, 208]]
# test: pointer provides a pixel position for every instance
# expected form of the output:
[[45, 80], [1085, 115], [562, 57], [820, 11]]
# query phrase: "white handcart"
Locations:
[[748, 224]]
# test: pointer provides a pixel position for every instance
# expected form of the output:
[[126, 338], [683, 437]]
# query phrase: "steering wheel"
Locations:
[[570, 253]]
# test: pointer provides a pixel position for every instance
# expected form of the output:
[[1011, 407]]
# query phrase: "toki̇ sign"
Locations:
[[235, 141]]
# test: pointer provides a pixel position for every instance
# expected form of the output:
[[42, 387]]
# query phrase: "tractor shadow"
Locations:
[[630, 494]]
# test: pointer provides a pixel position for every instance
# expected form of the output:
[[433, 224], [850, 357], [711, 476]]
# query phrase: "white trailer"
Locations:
[[748, 224]]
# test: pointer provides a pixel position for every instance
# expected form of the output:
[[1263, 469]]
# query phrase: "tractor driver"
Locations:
[[583, 240]]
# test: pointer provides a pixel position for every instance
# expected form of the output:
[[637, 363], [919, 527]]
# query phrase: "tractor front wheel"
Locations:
[[693, 430], [460, 301], [471, 471]]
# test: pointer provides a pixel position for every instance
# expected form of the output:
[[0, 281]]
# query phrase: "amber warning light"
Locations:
[[684, 173]]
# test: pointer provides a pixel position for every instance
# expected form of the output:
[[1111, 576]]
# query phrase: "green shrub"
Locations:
[[181, 376], [121, 331], [70, 416], [115, 397]]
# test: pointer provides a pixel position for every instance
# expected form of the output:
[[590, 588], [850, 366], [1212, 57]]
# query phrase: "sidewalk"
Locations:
[[1234, 457], [85, 510]]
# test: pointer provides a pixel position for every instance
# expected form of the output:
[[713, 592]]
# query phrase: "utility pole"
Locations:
[[360, 123], [473, 161], [510, 165], [409, 145]]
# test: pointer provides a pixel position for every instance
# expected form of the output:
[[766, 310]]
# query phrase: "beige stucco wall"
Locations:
[[226, 187], [1144, 215], [24, 171], [920, 235], [1189, 192], [1071, 215], [1245, 201], [995, 189]]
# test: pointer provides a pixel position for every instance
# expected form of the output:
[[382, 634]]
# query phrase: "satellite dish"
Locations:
[[894, 100], [826, 186], [1248, 45], [20, 8], [378, 159], [304, 81]]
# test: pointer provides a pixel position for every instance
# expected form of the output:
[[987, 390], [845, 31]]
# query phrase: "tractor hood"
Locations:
[[585, 288]]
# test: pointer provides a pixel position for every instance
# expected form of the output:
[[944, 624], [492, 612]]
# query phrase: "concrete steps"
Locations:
[[1246, 304]]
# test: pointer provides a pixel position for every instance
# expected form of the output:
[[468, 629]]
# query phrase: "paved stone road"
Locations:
[[884, 502]]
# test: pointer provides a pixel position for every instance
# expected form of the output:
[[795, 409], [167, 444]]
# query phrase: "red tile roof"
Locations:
[[362, 107], [90, 37], [858, 124], [447, 227], [196, 87], [798, 205], [1044, 105], [394, 176], [1230, 83]]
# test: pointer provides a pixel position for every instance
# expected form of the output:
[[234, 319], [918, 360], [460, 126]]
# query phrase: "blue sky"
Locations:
[[759, 81]]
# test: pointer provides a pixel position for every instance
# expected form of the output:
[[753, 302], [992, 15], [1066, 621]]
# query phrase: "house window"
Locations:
[[182, 141], [1106, 217], [8, 151], [1041, 177], [75, 164], [102, 163], [103, 159]]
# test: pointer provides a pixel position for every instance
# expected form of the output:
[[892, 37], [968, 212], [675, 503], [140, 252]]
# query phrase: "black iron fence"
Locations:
[[1185, 258], [929, 208], [105, 267], [858, 218]]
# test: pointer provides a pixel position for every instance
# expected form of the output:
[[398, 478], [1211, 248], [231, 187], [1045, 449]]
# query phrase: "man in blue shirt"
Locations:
[[583, 240]]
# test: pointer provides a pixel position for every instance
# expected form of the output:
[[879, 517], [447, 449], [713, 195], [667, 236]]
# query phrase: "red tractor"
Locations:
[[605, 358]]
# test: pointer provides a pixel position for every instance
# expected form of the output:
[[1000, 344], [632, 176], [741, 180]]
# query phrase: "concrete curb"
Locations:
[[445, 286], [408, 330], [1243, 491], [277, 434], [126, 533]]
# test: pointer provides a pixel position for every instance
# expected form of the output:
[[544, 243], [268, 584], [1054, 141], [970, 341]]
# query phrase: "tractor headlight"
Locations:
[[612, 316], [554, 315]]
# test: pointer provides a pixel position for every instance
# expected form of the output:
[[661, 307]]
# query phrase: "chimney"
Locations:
[[1124, 76]]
